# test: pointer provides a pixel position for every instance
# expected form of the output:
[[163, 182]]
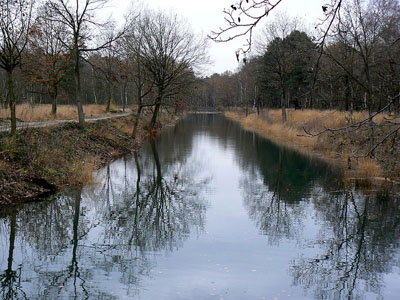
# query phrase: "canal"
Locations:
[[205, 211]]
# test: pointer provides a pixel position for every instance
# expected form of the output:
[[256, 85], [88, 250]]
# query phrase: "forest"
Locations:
[[354, 67], [62, 52]]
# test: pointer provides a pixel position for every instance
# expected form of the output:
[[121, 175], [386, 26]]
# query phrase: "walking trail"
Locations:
[[4, 127]]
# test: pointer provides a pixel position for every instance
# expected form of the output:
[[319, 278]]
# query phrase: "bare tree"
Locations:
[[78, 16], [47, 60], [365, 30], [108, 64], [169, 53], [133, 41], [15, 24]]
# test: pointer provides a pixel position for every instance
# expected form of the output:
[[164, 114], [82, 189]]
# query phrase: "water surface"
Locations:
[[206, 211]]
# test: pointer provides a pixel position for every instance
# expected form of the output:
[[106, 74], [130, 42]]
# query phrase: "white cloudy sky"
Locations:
[[206, 15]]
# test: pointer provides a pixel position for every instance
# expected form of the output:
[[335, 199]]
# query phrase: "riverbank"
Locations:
[[342, 149], [42, 160]]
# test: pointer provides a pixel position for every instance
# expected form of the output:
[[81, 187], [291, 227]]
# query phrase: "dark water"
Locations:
[[207, 211]]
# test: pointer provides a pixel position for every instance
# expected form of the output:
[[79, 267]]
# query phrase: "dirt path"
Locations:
[[21, 125]]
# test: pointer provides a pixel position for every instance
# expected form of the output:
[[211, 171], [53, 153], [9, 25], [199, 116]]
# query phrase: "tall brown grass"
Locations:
[[368, 168], [42, 112], [269, 124], [83, 171]]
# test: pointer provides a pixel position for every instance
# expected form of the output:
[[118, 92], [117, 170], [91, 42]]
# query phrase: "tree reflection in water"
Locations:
[[70, 247], [275, 217], [359, 241], [104, 240], [358, 237], [10, 280]]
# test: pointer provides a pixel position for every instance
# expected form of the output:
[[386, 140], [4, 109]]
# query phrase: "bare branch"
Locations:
[[365, 123], [242, 17]]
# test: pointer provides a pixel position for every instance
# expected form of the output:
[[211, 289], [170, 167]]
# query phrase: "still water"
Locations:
[[206, 211]]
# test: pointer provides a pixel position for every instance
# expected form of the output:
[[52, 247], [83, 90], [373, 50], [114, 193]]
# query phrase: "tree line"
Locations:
[[356, 68], [60, 51]]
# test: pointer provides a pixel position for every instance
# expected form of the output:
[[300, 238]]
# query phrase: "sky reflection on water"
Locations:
[[207, 211]]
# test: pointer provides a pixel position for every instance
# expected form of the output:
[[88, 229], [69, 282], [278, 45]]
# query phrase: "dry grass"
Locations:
[[42, 112], [312, 119], [57, 166], [83, 171], [63, 155], [368, 168], [270, 125], [124, 127]]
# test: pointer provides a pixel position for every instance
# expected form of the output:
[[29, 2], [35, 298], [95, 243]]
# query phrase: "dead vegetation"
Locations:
[[63, 155], [42, 112], [42, 159], [345, 148]]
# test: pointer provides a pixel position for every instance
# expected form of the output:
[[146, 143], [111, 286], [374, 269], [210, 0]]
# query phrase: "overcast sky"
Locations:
[[208, 16]]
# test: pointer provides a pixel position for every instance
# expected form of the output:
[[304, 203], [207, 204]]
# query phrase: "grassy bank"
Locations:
[[346, 149], [42, 160]]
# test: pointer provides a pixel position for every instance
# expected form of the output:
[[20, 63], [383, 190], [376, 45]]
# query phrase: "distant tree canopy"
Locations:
[[354, 63], [287, 68]]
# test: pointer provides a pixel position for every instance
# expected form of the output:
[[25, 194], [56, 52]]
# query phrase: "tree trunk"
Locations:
[[156, 108], [284, 116], [371, 136], [54, 102], [93, 86], [110, 95], [155, 115], [137, 118], [311, 101], [138, 177], [124, 96], [78, 90], [369, 102], [13, 115], [75, 239]]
